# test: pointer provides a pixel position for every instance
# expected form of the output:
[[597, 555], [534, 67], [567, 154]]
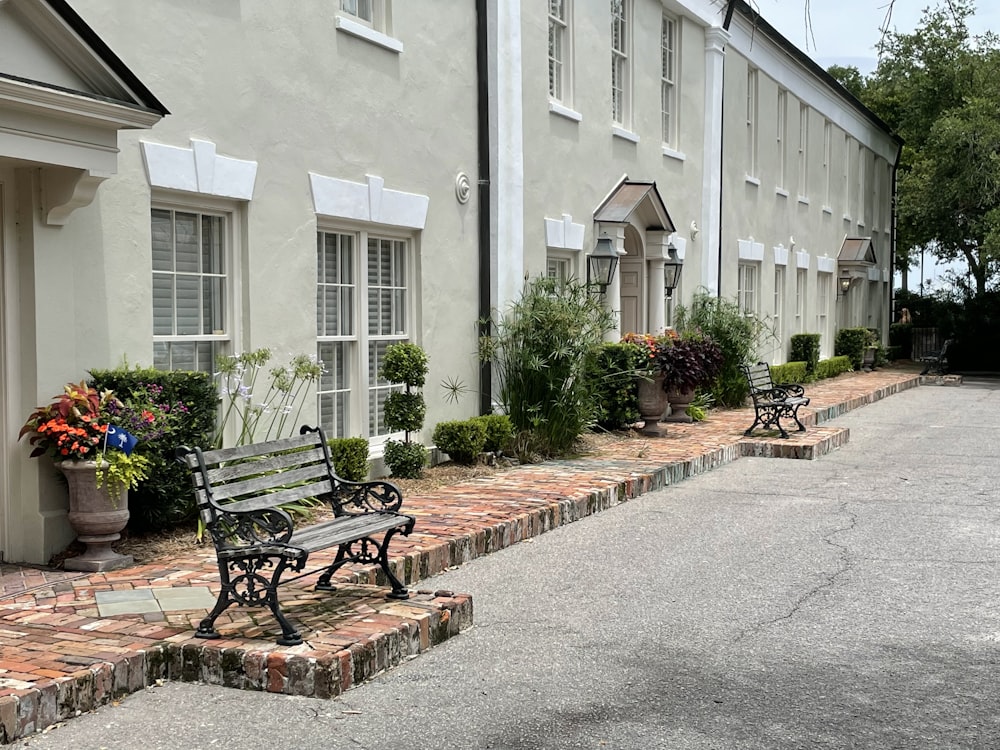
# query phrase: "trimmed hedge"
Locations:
[[499, 432], [790, 372], [830, 368], [852, 342], [165, 499], [613, 383], [805, 348], [350, 458], [462, 440]]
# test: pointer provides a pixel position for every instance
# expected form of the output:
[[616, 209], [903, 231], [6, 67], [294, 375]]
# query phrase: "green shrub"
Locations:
[[499, 432], [405, 460], [851, 343], [790, 372], [541, 349], [405, 363], [462, 440], [831, 368], [405, 411], [165, 498], [350, 458], [612, 375], [805, 348], [901, 338], [739, 336]]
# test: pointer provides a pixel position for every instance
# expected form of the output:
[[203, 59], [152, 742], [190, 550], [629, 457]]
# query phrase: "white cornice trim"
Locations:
[[64, 104], [369, 202], [750, 250], [563, 234], [198, 169]]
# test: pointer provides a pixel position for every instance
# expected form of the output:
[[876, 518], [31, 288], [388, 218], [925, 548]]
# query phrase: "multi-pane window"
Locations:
[[823, 283], [373, 13], [362, 308], [803, 150], [668, 78], [189, 289], [559, 50], [751, 115], [782, 120], [827, 159], [620, 83], [559, 268], [747, 288], [800, 300], [848, 159], [861, 187], [779, 311]]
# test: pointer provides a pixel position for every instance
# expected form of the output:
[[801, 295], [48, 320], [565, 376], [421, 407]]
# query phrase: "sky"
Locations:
[[845, 32]]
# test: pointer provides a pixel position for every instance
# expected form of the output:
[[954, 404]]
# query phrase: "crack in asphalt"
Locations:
[[829, 579]]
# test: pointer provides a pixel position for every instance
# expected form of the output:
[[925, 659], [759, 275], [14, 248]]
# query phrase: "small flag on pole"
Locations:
[[120, 438]]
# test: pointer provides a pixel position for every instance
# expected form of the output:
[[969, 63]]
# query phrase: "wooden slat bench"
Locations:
[[239, 493], [772, 402], [937, 362]]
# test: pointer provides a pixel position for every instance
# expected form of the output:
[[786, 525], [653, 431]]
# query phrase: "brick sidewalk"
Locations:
[[72, 641]]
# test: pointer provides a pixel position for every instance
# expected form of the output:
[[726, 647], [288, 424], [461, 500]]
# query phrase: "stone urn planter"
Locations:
[[97, 518], [679, 400], [652, 404]]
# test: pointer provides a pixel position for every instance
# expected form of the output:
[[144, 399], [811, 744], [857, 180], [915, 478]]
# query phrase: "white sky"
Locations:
[[845, 31]]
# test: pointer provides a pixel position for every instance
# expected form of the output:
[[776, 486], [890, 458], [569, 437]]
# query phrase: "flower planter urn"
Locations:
[[679, 400], [652, 404], [96, 517]]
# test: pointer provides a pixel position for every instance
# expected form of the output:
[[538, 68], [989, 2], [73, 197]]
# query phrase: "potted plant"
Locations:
[[77, 431], [691, 361], [650, 377]]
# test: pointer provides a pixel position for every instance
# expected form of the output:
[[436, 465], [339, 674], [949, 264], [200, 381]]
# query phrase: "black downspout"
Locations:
[[722, 146], [484, 196]]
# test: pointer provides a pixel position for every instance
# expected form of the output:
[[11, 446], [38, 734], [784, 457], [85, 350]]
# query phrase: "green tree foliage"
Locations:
[[939, 89]]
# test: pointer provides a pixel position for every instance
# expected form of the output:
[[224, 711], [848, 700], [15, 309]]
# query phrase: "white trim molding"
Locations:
[[563, 234], [826, 264], [198, 169], [750, 250], [369, 202], [874, 274], [781, 255], [368, 34], [802, 259]]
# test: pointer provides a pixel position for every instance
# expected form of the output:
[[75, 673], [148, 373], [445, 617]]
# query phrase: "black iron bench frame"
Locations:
[[937, 361], [239, 493], [772, 402]]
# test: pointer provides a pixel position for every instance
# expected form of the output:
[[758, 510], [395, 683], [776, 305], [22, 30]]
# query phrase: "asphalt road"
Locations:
[[847, 602]]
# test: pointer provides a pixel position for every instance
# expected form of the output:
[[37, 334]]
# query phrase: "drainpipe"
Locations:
[[485, 198], [892, 236]]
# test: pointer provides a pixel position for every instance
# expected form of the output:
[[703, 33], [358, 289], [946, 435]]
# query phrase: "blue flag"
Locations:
[[122, 439]]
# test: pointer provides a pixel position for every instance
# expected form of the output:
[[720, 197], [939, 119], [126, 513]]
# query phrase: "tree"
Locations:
[[939, 89]]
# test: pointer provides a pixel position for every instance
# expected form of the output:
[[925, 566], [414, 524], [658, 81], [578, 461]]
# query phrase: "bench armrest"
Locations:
[[792, 389], [365, 497], [775, 393], [250, 528]]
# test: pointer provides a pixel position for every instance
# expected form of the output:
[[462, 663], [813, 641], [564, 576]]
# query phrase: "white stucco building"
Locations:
[[345, 174]]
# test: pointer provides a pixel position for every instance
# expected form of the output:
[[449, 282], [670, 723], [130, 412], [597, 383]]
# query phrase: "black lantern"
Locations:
[[601, 264], [671, 271], [845, 284]]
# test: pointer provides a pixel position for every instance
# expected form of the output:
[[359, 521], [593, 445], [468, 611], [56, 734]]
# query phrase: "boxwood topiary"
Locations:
[[462, 440]]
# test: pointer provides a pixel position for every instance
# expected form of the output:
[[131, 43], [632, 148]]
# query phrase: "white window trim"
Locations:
[[624, 120], [671, 133], [752, 117], [782, 138], [359, 30], [198, 169], [565, 100], [557, 108], [231, 211]]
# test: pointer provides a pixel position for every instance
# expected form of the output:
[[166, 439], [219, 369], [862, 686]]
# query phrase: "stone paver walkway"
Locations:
[[70, 641]]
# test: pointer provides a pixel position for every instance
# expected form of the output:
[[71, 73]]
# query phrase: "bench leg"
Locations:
[[249, 588], [770, 419], [756, 421], [347, 554], [795, 416]]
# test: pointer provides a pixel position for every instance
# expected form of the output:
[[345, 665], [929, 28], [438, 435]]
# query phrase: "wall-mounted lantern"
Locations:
[[601, 264], [671, 271]]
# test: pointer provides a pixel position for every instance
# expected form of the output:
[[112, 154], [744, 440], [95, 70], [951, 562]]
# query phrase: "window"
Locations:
[[559, 51], [370, 20], [751, 115], [747, 288], [362, 307], [782, 120], [559, 267], [668, 88], [827, 159], [373, 13], [803, 150], [620, 67], [846, 176], [190, 257], [800, 300], [779, 312], [861, 187], [823, 283]]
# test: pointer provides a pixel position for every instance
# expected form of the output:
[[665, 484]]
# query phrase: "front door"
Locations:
[[631, 295]]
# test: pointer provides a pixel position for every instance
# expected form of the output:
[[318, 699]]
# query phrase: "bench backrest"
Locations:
[[758, 377], [260, 475]]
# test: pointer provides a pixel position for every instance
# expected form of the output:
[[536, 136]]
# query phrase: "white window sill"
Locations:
[[563, 111], [861, 225], [755, 181], [781, 191], [670, 153], [803, 200], [626, 135], [369, 35], [847, 217], [828, 210]]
